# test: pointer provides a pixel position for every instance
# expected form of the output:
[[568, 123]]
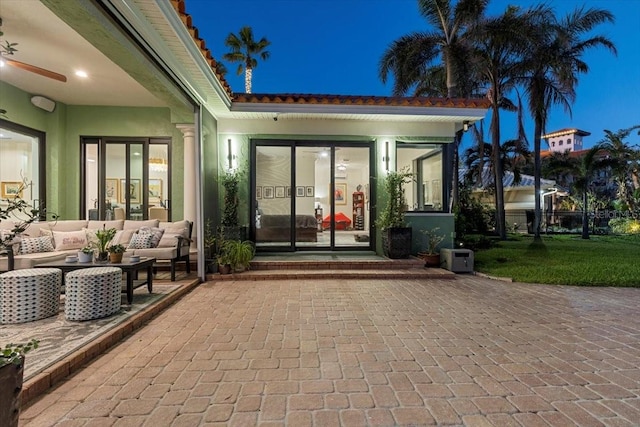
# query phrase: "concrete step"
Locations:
[[341, 274]]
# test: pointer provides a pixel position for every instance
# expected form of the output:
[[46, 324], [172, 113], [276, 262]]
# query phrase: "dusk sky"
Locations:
[[334, 46]]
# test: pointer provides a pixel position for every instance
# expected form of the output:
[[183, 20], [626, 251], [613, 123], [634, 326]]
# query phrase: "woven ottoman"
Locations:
[[29, 294], [92, 293]]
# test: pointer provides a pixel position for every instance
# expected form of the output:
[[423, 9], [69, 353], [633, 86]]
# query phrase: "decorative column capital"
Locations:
[[188, 130]]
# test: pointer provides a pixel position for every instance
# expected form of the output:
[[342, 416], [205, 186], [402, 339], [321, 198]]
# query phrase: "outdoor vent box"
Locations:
[[457, 260]]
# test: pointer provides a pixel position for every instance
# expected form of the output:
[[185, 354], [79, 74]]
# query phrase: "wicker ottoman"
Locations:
[[29, 294], [92, 293]]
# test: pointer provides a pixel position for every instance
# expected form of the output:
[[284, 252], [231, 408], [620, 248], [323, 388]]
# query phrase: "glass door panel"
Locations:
[[158, 182], [351, 177], [116, 183], [313, 204], [135, 200], [273, 196], [91, 180]]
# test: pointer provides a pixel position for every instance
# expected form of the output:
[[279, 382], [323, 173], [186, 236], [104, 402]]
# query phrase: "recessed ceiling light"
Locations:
[[81, 73], [2, 63]]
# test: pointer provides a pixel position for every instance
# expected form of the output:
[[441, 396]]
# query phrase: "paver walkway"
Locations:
[[471, 351]]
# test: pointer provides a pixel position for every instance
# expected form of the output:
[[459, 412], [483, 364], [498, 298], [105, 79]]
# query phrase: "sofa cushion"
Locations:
[[33, 245], [136, 225], [118, 224], [140, 241], [158, 253], [65, 240], [67, 225]]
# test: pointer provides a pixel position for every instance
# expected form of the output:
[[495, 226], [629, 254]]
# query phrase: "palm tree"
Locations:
[[244, 49], [552, 63], [498, 45], [411, 59], [626, 171], [582, 170]]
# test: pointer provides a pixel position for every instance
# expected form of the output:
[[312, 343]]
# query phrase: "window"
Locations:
[[22, 161], [569, 141], [553, 143], [560, 143], [426, 192]]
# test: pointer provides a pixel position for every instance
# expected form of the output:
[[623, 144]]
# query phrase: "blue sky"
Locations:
[[333, 47]]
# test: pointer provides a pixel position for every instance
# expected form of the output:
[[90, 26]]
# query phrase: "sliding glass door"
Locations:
[[311, 195]]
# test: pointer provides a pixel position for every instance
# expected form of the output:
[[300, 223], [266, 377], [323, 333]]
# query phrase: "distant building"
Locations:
[[565, 140]]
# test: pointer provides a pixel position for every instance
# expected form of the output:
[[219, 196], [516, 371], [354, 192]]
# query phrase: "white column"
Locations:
[[190, 168]]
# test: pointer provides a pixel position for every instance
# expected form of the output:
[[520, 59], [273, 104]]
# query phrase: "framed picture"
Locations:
[[288, 191], [340, 194], [112, 190], [300, 191], [258, 192], [310, 191], [267, 192], [11, 189], [280, 192], [132, 193], [155, 190]]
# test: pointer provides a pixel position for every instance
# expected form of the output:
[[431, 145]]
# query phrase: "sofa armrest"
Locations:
[[8, 252]]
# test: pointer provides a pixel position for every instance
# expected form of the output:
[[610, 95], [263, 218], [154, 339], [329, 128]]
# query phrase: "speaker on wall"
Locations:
[[45, 103]]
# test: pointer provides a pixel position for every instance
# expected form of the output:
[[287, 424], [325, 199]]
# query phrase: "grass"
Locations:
[[565, 260]]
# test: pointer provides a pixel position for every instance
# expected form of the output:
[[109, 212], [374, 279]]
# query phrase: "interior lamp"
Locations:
[[157, 164]]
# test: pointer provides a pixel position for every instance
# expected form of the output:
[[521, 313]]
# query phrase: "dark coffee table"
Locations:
[[131, 270]]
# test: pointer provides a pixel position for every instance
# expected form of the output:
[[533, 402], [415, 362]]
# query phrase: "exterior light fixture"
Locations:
[[231, 157], [385, 158], [465, 125]]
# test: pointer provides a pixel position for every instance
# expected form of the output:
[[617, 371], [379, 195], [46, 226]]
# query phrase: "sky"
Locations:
[[334, 47]]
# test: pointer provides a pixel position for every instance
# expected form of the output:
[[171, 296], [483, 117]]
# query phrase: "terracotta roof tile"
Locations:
[[179, 7], [360, 100]]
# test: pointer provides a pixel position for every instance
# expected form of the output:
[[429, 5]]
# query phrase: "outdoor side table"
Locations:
[[29, 294], [92, 293]]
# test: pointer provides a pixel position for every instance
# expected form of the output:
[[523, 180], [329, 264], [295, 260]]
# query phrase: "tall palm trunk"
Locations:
[[585, 215], [497, 167], [248, 73], [537, 172]]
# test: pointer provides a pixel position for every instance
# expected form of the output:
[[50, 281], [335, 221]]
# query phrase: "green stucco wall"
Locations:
[[64, 127]]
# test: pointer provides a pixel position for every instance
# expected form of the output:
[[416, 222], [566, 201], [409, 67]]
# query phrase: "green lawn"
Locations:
[[565, 260]]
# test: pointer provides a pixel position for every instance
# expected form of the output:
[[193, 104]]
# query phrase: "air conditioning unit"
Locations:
[[457, 260]]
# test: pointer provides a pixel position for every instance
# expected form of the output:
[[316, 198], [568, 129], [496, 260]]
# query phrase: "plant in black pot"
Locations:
[[230, 215], [11, 376], [396, 236]]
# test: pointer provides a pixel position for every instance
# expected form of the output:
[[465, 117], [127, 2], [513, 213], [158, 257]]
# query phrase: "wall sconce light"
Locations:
[[385, 158], [231, 157], [465, 125]]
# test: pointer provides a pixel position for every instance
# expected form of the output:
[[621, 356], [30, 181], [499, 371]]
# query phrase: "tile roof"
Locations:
[[180, 8], [398, 101], [566, 131]]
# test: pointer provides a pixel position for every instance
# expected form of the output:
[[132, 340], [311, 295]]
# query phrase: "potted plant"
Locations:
[[11, 376], [224, 266], [103, 237], [396, 236], [85, 254], [239, 254], [115, 253], [431, 257], [210, 241], [230, 217]]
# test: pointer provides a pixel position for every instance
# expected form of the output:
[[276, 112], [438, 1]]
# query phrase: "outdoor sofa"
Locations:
[[54, 240]]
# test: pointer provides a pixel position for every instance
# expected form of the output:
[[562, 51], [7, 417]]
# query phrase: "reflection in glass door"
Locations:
[[317, 199]]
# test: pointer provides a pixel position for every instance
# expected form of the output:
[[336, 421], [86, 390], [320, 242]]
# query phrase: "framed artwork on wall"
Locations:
[[340, 194], [310, 191], [133, 192], [112, 189], [258, 192], [267, 192], [300, 191], [155, 190], [11, 189], [280, 192]]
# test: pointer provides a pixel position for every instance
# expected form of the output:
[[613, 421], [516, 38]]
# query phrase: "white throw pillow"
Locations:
[[155, 232], [66, 240], [141, 241], [34, 245]]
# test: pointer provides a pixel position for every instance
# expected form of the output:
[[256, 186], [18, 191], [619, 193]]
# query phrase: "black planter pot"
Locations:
[[396, 242], [10, 390]]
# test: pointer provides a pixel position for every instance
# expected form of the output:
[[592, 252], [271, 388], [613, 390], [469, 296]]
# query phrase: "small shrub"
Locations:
[[624, 226]]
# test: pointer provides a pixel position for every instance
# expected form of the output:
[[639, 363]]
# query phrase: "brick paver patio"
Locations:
[[469, 351]]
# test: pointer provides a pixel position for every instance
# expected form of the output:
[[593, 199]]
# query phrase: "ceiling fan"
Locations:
[[7, 49]]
